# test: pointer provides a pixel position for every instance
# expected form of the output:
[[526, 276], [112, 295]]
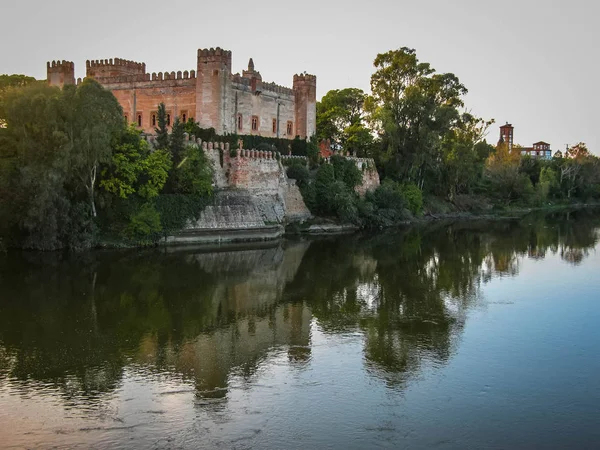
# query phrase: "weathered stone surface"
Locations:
[[232, 209], [296, 210]]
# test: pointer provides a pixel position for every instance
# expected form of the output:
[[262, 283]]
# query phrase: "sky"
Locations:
[[532, 63]]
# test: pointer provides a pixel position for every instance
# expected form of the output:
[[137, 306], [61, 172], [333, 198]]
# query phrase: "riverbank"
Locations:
[[320, 226]]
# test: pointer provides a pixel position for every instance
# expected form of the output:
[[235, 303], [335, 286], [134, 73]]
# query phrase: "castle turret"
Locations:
[[213, 89], [305, 90], [60, 73]]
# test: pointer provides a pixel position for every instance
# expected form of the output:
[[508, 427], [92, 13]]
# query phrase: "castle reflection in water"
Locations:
[[77, 323]]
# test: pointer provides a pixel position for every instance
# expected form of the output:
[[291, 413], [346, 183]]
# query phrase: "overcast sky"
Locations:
[[533, 63]]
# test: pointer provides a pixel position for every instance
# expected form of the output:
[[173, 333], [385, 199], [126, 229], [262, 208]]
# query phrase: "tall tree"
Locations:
[[162, 130], [94, 121], [134, 169], [340, 118], [177, 140], [412, 108], [464, 152]]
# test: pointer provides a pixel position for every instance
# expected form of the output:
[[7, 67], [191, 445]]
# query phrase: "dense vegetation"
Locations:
[[72, 170], [415, 126]]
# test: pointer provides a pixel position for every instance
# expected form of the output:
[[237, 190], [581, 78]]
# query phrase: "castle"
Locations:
[[212, 95]]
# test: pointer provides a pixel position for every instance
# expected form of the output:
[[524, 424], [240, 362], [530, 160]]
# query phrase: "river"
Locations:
[[447, 336]]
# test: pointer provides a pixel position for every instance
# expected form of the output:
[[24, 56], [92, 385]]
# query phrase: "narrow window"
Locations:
[[183, 117], [239, 120], [126, 121], [290, 128], [168, 119], [139, 120], [153, 120], [274, 126], [254, 123]]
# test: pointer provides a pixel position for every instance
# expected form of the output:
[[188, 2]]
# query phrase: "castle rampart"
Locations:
[[211, 94]]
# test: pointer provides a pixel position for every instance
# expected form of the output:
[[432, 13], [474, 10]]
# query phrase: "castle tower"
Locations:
[[213, 86], [109, 68], [59, 73], [305, 91], [507, 135]]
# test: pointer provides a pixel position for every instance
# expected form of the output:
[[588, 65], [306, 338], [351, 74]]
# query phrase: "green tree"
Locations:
[[94, 122], [177, 141], [412, 108], [194, 173], [548, 184], [162, 129], [40, 203], [340, 118], [507, 184], [144, 223], [346, 171], [464, 152], [135, 169]]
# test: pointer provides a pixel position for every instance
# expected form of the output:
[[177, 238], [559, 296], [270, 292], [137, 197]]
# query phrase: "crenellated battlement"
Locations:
[[237, 78], [57, 66], [272, 87], [147, 77], [285, 159], [305, 79], [116, 62], [214, 55], [112, 68], [264, 86]]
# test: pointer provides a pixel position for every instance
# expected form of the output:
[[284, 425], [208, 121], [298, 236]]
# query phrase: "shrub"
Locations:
[[346, 171], [413, 197], [298, 173], [144, 225], [388, 196], [342, 202]]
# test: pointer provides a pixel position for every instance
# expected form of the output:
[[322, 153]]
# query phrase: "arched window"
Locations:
[[290, 128], [254, 123], [168, 119], [139, 120], [239, 121]]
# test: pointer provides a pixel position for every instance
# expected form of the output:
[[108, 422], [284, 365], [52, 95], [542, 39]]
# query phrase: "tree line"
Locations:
[[416, 127], [73, 172]]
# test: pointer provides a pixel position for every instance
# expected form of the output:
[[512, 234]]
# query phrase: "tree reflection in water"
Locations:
[[75, 324]]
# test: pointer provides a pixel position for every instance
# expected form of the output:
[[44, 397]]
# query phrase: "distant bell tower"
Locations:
[[60, 73], [507, 135]]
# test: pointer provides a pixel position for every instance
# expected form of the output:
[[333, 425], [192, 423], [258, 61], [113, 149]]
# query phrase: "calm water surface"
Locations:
[[449, 336]]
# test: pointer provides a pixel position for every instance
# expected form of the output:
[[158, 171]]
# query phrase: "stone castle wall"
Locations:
[[245, 104], [211, 94], [255, 190]]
